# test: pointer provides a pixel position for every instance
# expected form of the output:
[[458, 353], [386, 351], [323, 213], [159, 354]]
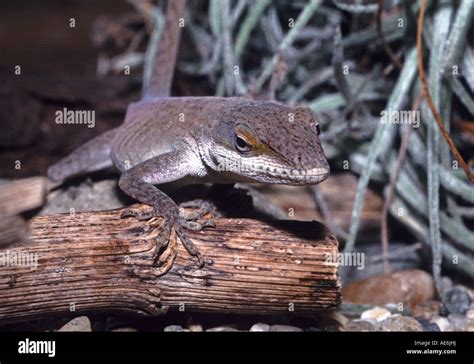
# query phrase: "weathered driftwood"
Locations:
[[22, 195], [16, 197], [95, 261]]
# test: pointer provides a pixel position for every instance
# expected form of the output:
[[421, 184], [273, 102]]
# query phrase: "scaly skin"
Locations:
[[198, 139], [202, 139]]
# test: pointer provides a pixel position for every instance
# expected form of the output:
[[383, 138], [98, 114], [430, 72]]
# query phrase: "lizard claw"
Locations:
[[190, 247], [197, 226], [179, 224]]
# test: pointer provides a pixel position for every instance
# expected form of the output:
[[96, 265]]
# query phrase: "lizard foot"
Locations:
[[189, 219], [189, 245], [139, 213], [200, 208], [179, 224]]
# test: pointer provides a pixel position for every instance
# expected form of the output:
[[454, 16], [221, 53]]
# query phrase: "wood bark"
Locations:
[[93, 261]]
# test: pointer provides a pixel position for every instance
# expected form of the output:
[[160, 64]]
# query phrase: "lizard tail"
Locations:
[[165, 57]]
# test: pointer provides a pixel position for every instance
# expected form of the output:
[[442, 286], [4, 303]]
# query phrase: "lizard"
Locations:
[[219, 140]]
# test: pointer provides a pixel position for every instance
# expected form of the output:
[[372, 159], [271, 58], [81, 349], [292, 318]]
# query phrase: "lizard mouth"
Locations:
[[300, 176]]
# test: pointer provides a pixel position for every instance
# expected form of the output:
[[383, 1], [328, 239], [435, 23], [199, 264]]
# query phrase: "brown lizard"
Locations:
[[198, 139]]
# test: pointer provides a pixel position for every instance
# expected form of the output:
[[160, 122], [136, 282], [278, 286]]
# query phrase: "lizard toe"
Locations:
[[139, 212], [190, 247]]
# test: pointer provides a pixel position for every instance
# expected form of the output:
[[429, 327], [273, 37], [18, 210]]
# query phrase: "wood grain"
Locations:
[[96, 261]]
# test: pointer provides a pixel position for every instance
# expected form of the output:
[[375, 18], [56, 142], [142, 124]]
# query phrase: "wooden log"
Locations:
[[96, 261], [23, 195], [12, 229], [16, 197]]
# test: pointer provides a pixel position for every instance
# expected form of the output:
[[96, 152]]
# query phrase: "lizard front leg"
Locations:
[[139, 182]]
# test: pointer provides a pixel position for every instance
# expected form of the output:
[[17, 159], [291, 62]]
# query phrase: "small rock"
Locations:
[[443, 324], [377, 313], [221, 329], [400, 323], [195, 328], [103, 195], [407, 287], [457, 301], [470, 319], [285, 328], [361, 325], [339, 318], [175, 328], [124, 329], [470, 313], [427, 326], [260, 326], [458, 322], [78, 324]]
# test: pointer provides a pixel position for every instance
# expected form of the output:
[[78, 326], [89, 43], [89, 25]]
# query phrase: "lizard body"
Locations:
[[200, 139]]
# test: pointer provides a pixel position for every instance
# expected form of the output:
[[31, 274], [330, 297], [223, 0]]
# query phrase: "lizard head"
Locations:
[[268, 142]]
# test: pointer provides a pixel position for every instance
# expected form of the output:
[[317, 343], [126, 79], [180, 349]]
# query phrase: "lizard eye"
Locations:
[[318, 130], [241, 145]]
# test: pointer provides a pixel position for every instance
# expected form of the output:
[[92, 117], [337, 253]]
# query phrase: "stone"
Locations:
[[400, 323], [457, 301], [409, 287], [195, 328], [470, 319], [285, 328], [361, 325], [443, 324], [458, 322], [124, 329], [222, 329], [259, 327], [427, 326], [78, 324], [339, 318], [377, 313], [99, 196], [175, 328]]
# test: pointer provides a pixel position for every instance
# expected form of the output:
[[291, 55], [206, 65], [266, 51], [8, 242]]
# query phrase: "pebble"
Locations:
[[99, 196], [175, 328], [400, 323], [470, 319], [361, 325], [408, 287], [222, 329], [458, 301], [259, 327], [427, 326], [195, 328], [377, 313], [458, 322], [78, 324], [285, 328], [124, 329], [443, 324], [339, 318]]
